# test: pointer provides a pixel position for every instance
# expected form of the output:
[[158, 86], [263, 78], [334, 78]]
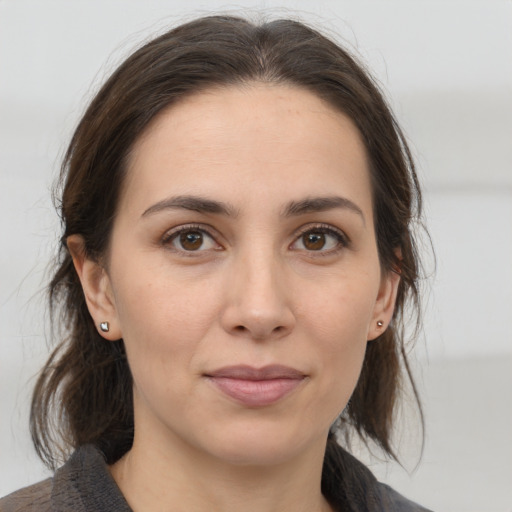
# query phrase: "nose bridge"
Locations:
[[259, 270], [259, 305]]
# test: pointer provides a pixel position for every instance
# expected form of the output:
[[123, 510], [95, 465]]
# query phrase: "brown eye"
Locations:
[[191, 240], [313, 241], [321, 239]]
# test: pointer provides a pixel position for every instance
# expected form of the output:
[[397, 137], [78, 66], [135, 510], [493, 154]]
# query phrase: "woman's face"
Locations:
[[243, 273]]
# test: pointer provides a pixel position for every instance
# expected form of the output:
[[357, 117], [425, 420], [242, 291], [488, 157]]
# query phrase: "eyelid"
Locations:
[[342, 238], [172, 233]]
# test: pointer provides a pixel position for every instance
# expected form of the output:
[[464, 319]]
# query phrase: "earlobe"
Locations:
[[97, 289], [384, 305]]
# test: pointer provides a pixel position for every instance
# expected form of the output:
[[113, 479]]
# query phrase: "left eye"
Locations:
[[319, 239], [191, 240]]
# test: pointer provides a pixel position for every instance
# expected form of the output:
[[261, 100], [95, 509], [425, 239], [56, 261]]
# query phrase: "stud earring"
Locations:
[[380, 323], [104, 326]]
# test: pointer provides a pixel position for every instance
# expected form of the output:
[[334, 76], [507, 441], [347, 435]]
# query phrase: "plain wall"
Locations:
[[447, 67]]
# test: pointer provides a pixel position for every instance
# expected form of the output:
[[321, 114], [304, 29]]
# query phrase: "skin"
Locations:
[[254, 286]]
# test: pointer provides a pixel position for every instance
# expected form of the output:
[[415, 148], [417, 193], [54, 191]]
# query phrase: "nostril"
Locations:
[[259, 334], [259, 322]]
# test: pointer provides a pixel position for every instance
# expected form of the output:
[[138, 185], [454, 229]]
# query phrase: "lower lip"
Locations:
[[256, 393]]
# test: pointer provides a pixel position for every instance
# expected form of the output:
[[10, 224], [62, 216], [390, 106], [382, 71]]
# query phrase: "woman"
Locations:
[[236, 258]]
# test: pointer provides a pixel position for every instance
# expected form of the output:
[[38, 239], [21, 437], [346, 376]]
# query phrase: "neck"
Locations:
[[180, 479]]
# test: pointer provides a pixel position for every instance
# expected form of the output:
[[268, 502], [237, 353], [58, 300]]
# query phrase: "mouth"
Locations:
[[256, 387]]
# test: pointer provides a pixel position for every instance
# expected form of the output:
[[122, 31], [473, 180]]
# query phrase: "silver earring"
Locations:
[[380, 323], [104, 326]]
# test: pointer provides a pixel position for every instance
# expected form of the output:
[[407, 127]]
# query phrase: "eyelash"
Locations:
[[173, 234], [342, 241]]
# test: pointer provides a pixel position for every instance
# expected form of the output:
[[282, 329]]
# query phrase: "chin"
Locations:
[[264, 446], [257, 455]]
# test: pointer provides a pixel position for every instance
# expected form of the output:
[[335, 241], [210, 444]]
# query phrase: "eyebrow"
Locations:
[[193, 203], [292, 209], [321, 204]]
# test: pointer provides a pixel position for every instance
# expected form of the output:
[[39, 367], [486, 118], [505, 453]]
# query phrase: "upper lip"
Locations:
[[245, 372]]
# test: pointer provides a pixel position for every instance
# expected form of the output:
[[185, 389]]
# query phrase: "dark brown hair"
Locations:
[[84, 393]]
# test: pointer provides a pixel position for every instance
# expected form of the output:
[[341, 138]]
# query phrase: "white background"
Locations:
[[447, 67]]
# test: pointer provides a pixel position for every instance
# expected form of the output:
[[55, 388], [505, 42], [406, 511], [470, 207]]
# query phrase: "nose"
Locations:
[[258, 301]]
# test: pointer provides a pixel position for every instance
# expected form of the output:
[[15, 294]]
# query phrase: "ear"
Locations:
[[384, 305], [96, 287]]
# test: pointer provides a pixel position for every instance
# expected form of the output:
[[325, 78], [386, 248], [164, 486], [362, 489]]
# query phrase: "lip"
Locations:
[[256, 387]]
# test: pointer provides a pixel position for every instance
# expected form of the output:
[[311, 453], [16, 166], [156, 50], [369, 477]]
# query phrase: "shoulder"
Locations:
[[350, 485], [397, 502], [83, 484], [35, 498]]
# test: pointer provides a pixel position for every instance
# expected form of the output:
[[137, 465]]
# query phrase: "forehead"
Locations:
[[256, 138]]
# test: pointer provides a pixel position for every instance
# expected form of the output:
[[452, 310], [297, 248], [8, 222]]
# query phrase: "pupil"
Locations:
[[314, 241], [191, 240]]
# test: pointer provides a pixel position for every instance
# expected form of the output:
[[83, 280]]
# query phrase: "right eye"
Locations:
[[190, 239]]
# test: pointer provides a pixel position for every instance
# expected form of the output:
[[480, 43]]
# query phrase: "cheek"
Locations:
[[342, 309], [339, 372], [163, 322], [339, 325], [162, 335], [153, 299]]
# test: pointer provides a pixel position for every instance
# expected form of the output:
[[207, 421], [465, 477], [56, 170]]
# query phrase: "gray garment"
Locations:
[[84, 484]]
